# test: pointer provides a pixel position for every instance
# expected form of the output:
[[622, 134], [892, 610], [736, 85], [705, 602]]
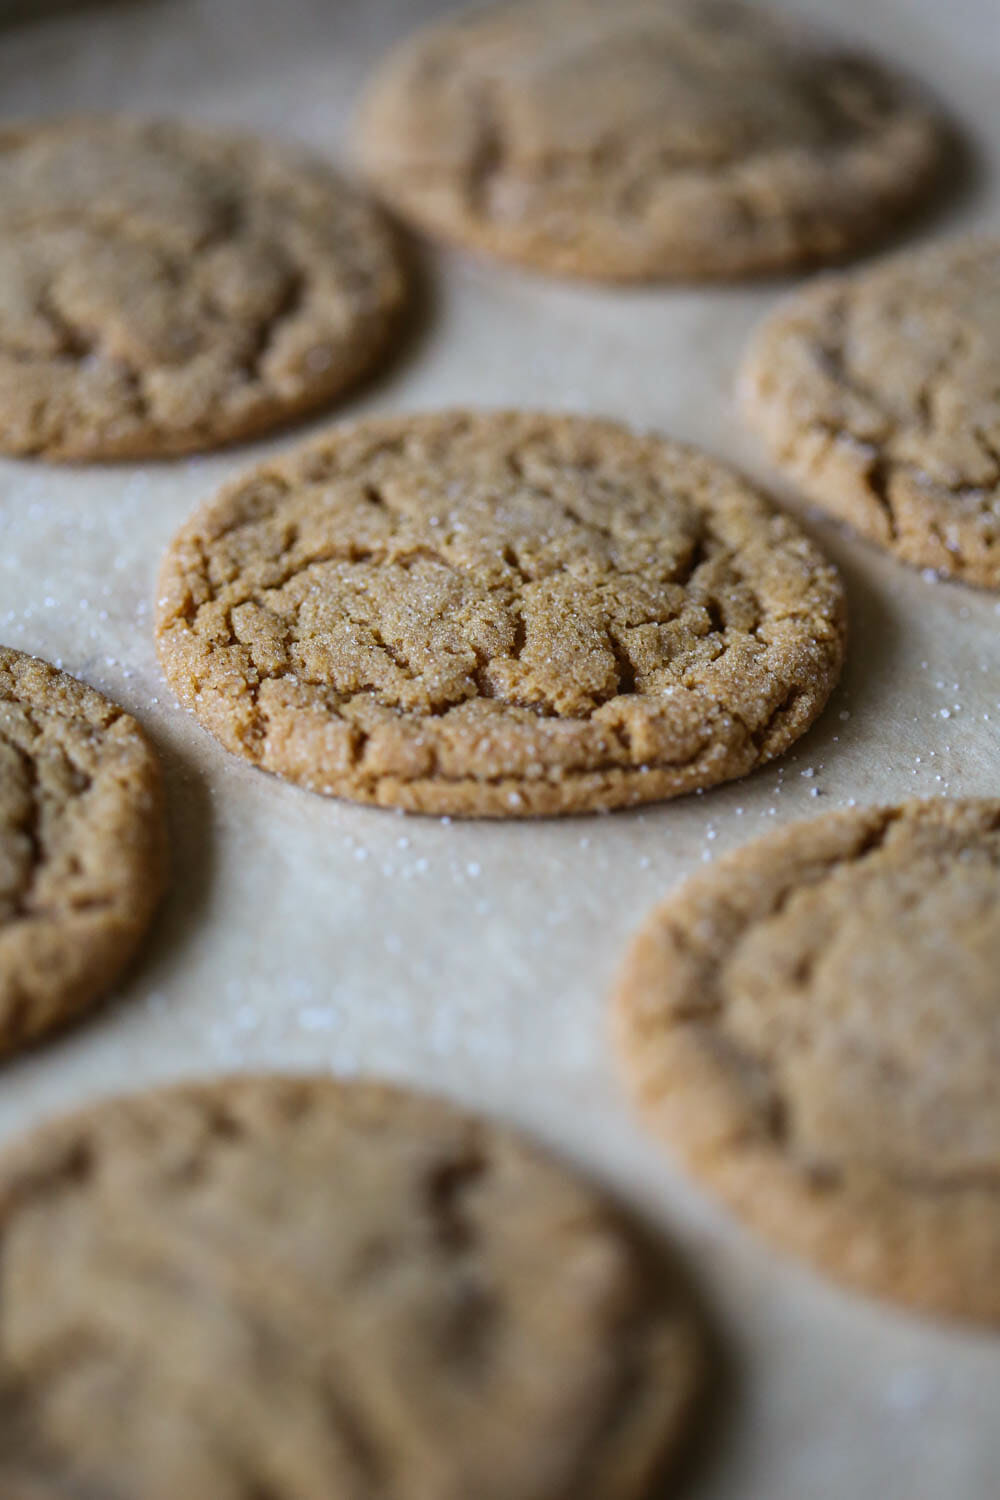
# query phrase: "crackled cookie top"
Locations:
[[498, 614], [880, 392], [81, 845], [303, 1288], [645, 138], [164, 288], [815, 1025]]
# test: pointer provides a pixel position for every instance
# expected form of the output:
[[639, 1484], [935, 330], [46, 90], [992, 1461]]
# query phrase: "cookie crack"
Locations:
[[360, 1440], [990, 449], [398, 658], [446, 1188], [30, 829], [939, 372], [74, 341], [289, 307], [879, 475], [759, 737], [489, 157], [624, 665]]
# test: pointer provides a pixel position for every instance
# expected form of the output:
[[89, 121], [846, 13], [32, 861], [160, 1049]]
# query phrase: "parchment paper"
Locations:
[[475, 958]]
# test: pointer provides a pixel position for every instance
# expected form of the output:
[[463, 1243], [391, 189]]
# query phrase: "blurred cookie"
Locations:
[[646, 138], [82, 845], [165, 288], [499, 614], [299, 1287], [879, 392], [813, 1024]]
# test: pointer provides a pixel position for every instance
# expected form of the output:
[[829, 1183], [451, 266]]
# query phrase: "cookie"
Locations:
[[498, 614], [813, 1025], [880, 394], [302, 1287], [645, 139], [82, 845], [165, 288]]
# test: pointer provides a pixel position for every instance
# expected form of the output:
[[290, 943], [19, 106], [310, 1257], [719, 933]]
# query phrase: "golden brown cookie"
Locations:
[[165, 288], [297, 1287], [82, 845], [813, 1025], [499, 614], [645, 138], [880, 393]]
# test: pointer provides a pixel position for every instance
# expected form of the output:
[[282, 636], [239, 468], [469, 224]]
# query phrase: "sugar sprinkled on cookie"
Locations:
[[499, 614]]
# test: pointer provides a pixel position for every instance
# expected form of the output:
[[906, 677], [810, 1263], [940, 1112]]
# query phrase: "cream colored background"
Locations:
[[476, 958]]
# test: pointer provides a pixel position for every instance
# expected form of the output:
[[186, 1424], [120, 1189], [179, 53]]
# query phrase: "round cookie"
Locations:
[[813, 1024], [302, 1287], [82, 845], [499, 614], [880, 393], [645, 139], [165, 288]]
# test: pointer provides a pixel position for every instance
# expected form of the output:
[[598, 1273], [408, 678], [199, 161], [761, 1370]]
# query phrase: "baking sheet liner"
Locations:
[[475, 958]]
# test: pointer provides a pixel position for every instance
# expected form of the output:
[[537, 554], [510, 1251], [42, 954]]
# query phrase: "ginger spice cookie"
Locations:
[[814, 1026], [82, 845], [880, 394], [645, 138], [499, 614], [164, 288], [304, 1288]]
